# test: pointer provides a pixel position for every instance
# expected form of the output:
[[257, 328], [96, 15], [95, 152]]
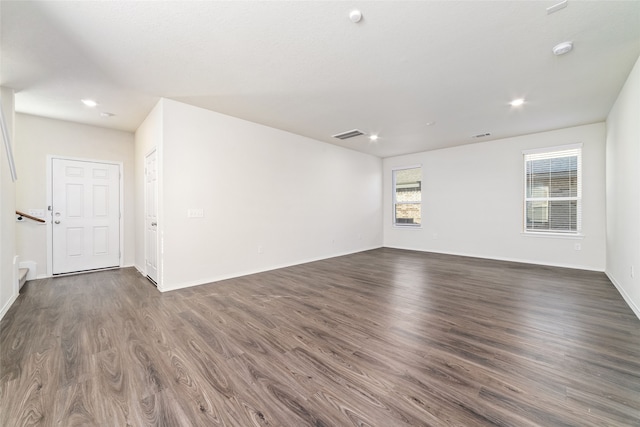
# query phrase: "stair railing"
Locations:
[[22, 215]]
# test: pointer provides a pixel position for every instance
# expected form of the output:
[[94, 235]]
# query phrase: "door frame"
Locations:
[[49, 212]]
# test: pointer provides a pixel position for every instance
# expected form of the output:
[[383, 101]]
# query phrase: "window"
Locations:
[[553, 190], [407, 196]]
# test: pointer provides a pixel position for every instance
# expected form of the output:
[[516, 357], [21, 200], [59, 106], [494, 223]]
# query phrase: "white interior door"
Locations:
[[151, 216], [85, 215]]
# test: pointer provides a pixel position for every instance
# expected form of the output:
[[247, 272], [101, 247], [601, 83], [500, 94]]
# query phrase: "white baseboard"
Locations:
[[15, 287], [518, 260], [625, 295], [8, 305]]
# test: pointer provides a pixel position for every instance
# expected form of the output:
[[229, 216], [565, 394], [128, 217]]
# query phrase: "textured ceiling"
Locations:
[[304, 67]]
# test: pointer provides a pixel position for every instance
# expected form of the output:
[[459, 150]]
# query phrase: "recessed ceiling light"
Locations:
[[562, 48], [556, 7], [89, 102], [355, 16], [430, 123], [373, 137], [106, 114], [517, 102]]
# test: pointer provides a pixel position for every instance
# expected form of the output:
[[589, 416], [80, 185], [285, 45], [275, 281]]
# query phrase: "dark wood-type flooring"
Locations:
[[379, 338]]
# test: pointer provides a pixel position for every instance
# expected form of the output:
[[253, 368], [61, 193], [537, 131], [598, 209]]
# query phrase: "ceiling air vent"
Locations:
[[481, 135], [348, 134]]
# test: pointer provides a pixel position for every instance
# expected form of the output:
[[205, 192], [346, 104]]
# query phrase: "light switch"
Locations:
[[38, 213], [195, 213]]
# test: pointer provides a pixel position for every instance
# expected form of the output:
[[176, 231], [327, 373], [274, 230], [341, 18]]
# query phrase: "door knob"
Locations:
[[56, 222]]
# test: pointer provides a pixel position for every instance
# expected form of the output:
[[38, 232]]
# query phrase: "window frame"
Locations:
[[394, 201], [578, 198]]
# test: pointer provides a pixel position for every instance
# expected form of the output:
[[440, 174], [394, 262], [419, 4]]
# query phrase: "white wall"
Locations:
[[623, 191], [472, 201], [270, 198], [37, 138], [8, 281]]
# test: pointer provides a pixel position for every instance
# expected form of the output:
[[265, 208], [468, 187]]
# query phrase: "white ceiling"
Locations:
[[304, 67]]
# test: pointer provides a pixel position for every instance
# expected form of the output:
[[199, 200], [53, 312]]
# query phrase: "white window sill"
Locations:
[[576, 236], [408, 227]]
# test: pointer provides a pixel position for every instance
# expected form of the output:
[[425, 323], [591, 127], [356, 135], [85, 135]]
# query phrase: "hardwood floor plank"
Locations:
[[209, 365], [30, 399], [274, 399], [342, 412], [34, 331], [202, 405], [116, 396], [219, 343], [161, 409], [75, 405], [378, 338], [75, 350], [602, 409]]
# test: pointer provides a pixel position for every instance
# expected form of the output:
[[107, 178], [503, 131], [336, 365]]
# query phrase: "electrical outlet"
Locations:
[[577, 247], [260, 249]]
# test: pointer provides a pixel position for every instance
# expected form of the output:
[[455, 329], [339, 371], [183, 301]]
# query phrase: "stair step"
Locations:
[[22, 274]]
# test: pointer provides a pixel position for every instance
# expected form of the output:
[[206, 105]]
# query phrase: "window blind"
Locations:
[[553, 193], [407, 196]]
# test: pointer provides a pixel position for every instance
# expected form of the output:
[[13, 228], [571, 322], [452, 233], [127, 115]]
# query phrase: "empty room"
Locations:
[[320, 213]]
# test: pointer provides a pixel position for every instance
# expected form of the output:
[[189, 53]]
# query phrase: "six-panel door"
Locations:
[[85, 215], [151, 216]]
